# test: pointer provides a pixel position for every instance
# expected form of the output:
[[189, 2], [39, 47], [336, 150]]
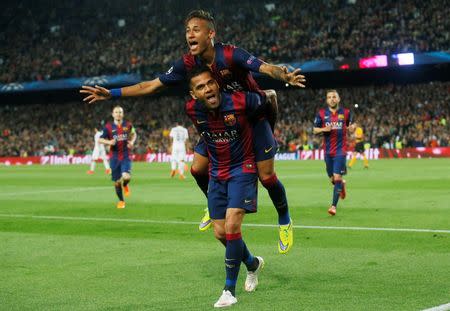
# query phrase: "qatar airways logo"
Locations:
[[221, 137], [120, 137], [335, 125]]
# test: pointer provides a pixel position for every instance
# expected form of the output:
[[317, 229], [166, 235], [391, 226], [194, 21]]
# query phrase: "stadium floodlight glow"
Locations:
[[405, 58], [373, 62]]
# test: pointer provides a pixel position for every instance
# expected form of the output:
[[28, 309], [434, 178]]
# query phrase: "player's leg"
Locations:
[[173, 164], [106, 163], [353, 160], [365, 160], [126, 176], [181, 164], [93, 162], [116, 175], [338, 164], [265, 148]]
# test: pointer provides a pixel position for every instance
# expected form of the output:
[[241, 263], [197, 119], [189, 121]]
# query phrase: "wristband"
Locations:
[[115, 93]]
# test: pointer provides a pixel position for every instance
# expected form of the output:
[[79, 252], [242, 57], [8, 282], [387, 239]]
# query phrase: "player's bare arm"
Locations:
[[99, 93], [110, 142], [132, 139], [319, 130], [294, 78]]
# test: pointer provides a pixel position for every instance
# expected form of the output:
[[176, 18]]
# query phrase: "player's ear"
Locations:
[[212, 34], [192, 94]]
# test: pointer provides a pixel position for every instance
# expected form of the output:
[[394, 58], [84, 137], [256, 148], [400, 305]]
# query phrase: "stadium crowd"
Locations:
[[49, 40], [391, 116]]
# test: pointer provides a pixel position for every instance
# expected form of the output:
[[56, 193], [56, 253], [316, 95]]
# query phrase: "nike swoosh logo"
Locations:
[[247, 201], [267, 150], [201, 122], [283, 247]]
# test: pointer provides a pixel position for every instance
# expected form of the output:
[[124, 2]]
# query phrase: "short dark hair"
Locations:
[[331, 91], [196, 71], [201, 14]]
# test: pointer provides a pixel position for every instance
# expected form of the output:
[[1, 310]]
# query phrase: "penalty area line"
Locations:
[[444, 307], [175, 222]]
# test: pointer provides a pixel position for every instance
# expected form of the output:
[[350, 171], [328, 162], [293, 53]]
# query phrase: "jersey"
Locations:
[[231, 69], [228, 132], [335, 141], [359, 134], [121, 133], [97, 145], [179, 135]]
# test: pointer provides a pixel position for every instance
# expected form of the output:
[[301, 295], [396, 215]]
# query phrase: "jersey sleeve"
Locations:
[[105, 133], [318, 121], [246, 60], [175, 74], [255, 104]]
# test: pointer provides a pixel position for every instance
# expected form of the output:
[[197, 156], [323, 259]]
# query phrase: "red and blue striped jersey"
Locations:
[[231, 69], [228, 132], [335, 141], [121, 133]]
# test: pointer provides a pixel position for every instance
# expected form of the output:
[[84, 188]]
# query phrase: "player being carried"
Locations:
[[333, 122], [231, 67], [120, 135], [223, 121], [99, 153], [179, 135]]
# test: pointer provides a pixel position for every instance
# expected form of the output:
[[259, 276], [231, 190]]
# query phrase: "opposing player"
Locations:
[[120, 135], [223, 122], [359, 148], [179, 135], [99, 153], [231, 67], [333, 122]]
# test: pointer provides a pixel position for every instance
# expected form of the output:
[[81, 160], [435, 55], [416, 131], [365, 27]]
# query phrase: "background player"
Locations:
[[120, 135], [359, 147], [333, 123], [222, 120], [179, 135], [231, 67], [99, 153]]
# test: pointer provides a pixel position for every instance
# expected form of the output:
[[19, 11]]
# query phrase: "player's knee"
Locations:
[[266, 169], [199, 165], [126, 176], [117, 184], [269, 181]]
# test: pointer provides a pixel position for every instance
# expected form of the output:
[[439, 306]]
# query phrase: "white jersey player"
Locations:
[[179, 135], [99, 153]]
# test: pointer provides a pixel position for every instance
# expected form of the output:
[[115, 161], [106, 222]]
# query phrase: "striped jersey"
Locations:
[[121, 133]]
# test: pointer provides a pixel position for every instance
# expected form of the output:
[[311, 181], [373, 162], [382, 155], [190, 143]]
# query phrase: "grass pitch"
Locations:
[[64, 245]]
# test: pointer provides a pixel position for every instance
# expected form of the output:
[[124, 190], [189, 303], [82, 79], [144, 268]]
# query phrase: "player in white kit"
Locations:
[[179, 135], [99, 153]]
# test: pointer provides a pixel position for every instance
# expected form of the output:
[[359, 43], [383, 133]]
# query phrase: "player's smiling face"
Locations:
[[199, 35], [205, 89], [333, 100], [117, 114]]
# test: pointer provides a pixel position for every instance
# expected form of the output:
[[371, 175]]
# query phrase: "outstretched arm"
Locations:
[[281, 73], [99, 93]]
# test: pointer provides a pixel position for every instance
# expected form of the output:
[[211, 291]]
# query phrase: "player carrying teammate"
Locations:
[[99, 153], [333, 123], [178, 135], [223, 122], [359, 148], [231, 67], [120, 135]]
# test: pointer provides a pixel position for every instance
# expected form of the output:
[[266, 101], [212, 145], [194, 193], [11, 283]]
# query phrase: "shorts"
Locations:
[[238, 192], [98, 154], [178, 155], [336, 165], [118, 167], [359, 147], [264, 143]]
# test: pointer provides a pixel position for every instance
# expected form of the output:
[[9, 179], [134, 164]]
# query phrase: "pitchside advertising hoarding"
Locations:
[[372, 154]]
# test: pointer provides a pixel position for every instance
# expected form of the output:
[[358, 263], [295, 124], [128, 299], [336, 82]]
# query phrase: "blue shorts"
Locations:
[[264, 144], [336, 165], [237, 192], [118, 167]]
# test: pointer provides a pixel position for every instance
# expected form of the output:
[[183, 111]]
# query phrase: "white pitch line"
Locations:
[[54, 191], [174, 222], [445, 307]]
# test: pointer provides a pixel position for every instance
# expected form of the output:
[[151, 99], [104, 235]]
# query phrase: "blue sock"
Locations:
[[277, 194], [337, 191], [118, 187], [233, 259], [248, 259]]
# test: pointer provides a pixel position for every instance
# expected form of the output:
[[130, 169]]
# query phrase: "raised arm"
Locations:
[[99, 93], [281, 73]]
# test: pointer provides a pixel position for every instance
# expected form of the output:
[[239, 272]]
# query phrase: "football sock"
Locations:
[[126, 182], [118, 187], [233, 259], [352, 161], [277, 194], [248, 259], [92, 166], [337, 191], [173, 165], [181, 168], [366, 162], [202, 181], [106, 164]]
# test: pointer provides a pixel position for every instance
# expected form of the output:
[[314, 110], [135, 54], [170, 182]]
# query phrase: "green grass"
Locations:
[[79, 263]]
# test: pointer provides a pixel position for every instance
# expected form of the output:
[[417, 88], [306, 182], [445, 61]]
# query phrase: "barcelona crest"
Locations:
[[341, 117], [229, 119]]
